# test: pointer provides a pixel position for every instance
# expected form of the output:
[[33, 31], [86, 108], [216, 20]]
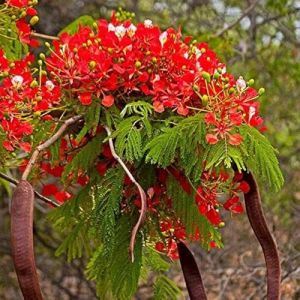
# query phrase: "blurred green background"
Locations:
[[258, 39]]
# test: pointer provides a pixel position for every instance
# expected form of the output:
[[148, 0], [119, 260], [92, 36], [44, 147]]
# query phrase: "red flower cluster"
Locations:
[[21, 98], [115, 60], [26, 16], [18, 3]]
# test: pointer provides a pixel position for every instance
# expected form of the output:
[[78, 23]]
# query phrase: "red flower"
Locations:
[[244, 187], [160, 246], [108, 101], [233, 204], [101, 168], [211, 139], [85, 98], [25, 147], [8, 146], [235, 139], [31, 11], [18, 3], [49, 190], [62, 196]]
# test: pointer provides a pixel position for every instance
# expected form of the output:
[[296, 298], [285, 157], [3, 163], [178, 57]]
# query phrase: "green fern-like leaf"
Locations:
[[165, 289], [154, 260], [116, 275], [186, 209], [108, 194], [162, 148], [91, 121], [180, 141], [74, 222], [128, 142], [85, 158], [141, 108], [125, 273], [262, 158]]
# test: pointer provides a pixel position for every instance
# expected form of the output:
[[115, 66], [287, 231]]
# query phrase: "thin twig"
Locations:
[[141, 191], [47, 144], [45, 36], [38, 195], [240, 18]]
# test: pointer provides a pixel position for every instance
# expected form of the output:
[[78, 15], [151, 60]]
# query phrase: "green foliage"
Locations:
[[91, 121], [255, 154], [129, 139], [132, 132], [74, 221], [165, 289], [116, 273], [261, 157], [84, 158], [3, 152], [107, 195], [186, 209], [154, 261], [141, 108], [184, 139], [74, 26], [9, 39]]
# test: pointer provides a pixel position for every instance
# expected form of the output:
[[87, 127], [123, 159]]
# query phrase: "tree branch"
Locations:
[[47, 144], [44, 36], [37, 194], [141, 191], [241, 17]]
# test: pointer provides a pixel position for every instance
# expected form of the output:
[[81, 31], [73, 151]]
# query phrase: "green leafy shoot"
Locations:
[[261, 157], [165, 289]]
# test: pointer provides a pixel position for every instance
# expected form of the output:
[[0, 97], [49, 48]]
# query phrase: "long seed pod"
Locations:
[[263, 235], [22, 241], [191, 273]]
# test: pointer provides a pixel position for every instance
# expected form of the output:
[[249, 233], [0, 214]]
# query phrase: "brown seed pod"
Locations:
[[22, 241], [191, 273], [263, 235]]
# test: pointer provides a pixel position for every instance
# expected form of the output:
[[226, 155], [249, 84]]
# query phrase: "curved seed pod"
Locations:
[[260, 228], [22, 241], [191, 273]]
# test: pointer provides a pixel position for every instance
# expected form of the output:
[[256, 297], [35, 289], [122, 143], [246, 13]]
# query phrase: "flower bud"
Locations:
[[92, 64], [250, 82], [4, 74], [261, 91], [216, 75], [138, 64], [37, 114], [34, 84], [40, 62], [23, 14], [42, 56], [204, 100], [222, 224], [47, 45], [231, 90], [206, 76], [34, 20]]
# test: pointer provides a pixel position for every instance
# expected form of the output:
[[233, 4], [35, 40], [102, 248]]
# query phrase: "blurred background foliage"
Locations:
[[259, 39]]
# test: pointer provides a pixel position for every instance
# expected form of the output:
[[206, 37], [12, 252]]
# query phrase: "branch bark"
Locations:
[[37, 194], [140, 189], [240, 18], [44, 36], [47, 144]]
